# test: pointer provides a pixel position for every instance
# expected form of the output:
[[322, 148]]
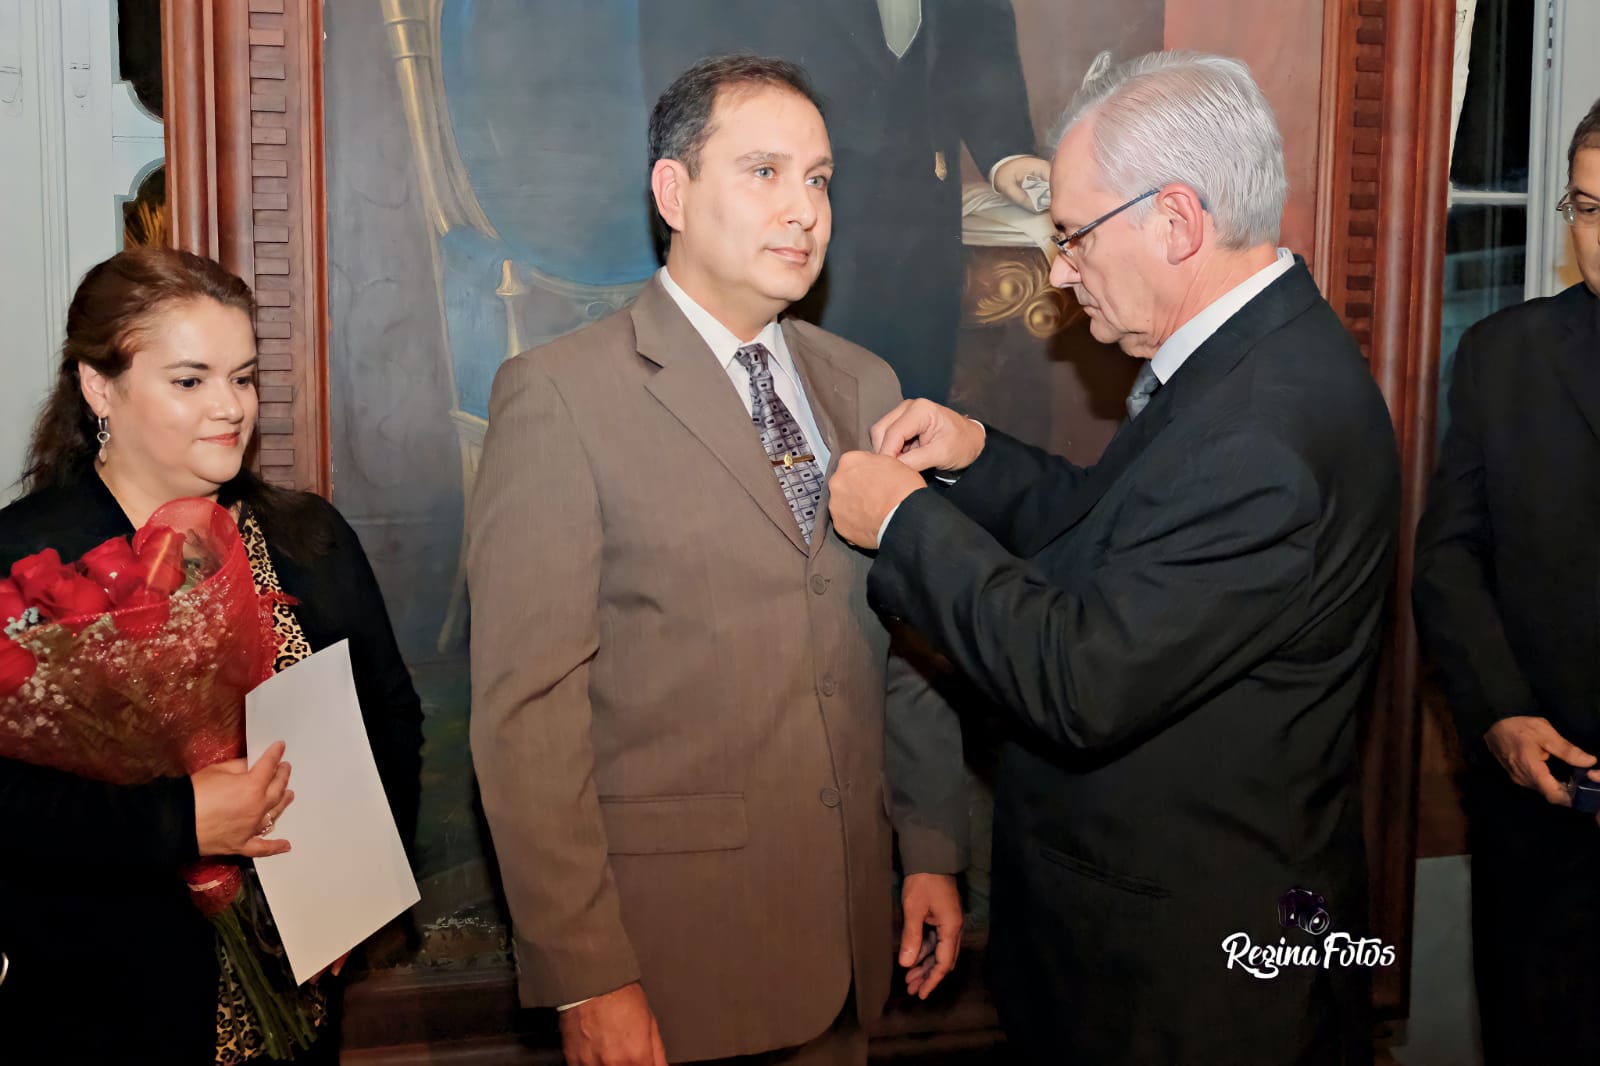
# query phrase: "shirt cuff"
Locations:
[[885, 525], [569, 1006], [946, 479], [954, 476], [1001, 163]]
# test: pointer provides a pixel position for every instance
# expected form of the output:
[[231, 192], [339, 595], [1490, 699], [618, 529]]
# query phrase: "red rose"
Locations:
[[71, 595], [31, 573], [213, 884], [16, 666], [160, 558], [58, 591], [11, 602], [110, 562]]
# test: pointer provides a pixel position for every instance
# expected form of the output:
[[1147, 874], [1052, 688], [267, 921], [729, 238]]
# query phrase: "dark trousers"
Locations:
[[1535, 925]]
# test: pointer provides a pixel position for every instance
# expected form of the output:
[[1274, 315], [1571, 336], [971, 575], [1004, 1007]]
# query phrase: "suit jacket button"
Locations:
[[829, 797], [819, 584], [827, 686]]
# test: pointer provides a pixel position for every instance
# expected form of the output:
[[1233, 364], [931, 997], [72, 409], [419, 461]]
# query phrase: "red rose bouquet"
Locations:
[[132, 664]]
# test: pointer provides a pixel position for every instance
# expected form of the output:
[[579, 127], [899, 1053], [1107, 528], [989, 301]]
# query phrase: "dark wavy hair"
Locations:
[[107, 322], [680, 122]]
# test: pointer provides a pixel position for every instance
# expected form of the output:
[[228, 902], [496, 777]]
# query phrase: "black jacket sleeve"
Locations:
[[1012, 489], [978, 74], [1231, 535], [1452, 592], [48, 814]]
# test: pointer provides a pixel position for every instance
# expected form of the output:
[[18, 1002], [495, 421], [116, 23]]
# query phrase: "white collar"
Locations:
[[1195, 332], [719, 338]]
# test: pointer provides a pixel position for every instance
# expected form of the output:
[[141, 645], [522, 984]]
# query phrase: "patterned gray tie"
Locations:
[[1145, 383], [792, 461]]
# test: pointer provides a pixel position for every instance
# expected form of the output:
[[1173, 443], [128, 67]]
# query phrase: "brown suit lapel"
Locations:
[[833, 393], [835, 398], [695, 389]]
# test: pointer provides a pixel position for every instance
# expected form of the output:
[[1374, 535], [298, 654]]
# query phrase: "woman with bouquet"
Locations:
[[110, 958]]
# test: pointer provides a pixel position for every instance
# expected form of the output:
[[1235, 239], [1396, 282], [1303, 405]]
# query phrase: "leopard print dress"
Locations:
[[239, 1036]]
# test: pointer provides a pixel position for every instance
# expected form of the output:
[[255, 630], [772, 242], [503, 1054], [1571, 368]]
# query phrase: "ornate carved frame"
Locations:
[[246, 185]]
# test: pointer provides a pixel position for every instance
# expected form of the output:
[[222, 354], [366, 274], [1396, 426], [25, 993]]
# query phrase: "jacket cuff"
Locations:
[[174, 804], [927, 850], [549, 977]]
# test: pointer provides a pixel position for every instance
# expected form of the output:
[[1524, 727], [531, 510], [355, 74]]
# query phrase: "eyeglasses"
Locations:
[[1066, 245], [1579, 215]]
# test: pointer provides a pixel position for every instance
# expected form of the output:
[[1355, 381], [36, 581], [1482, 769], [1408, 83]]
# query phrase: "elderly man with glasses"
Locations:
[[1507, 597], [1179, 636]]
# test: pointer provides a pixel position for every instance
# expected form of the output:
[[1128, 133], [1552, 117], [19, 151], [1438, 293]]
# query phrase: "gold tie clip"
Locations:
[[789, 459]]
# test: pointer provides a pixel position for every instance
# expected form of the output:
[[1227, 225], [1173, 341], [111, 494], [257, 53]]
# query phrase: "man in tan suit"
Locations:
[[678, 687]]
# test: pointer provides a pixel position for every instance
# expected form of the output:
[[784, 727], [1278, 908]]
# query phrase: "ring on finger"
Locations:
[[266, 827]]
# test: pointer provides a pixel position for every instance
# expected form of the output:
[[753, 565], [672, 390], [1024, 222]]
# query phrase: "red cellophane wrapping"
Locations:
[[152, 690]]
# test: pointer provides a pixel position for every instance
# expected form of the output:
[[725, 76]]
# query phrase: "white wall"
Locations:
[[75, 144]]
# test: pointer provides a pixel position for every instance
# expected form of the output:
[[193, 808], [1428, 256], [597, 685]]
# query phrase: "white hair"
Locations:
[[1190, 119]]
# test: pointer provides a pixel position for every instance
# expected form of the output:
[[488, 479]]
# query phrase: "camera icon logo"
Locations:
[[1304, 909]]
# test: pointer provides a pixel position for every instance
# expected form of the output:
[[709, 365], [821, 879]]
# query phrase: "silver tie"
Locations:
[[1145, 383]]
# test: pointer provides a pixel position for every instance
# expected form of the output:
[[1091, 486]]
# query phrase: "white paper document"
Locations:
[[347, 874]]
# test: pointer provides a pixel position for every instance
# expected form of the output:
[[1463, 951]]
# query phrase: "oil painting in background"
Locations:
[[487, 192]]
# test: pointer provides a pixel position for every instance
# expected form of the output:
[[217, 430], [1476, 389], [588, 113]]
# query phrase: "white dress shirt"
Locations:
[[724, 345], [1195, 332], [1189, 336]]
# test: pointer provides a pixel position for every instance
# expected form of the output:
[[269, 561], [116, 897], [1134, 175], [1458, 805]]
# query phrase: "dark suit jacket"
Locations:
[[1181, 636], [1507, 587], [678, 703], [110, 959], [894, 273]]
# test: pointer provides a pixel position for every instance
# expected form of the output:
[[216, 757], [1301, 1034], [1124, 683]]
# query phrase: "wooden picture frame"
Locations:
[[245, 186]]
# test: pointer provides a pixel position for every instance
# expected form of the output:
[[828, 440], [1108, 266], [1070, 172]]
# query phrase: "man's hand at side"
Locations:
[[1522, 743], [932, 905], [616, 1029], [926, 436]]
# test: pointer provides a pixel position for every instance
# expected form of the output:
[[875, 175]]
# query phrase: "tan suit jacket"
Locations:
[[678, 706]]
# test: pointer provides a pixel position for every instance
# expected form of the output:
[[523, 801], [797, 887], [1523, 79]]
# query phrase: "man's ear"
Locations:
[[668, 179], [96, 388], [1184, 214]]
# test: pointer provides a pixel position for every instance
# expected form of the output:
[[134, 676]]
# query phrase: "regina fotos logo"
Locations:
[[1305, 910]]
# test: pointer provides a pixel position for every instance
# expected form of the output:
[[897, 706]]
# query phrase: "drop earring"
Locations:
[[104, 438]]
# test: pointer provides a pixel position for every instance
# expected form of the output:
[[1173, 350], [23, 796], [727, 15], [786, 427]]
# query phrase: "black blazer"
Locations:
[[110, 961], [1180, 637], [1507, 586]]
